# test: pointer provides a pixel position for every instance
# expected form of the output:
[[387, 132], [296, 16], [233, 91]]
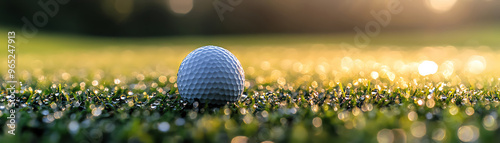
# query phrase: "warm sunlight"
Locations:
[[441, 5], [427, 68], [181, 6]]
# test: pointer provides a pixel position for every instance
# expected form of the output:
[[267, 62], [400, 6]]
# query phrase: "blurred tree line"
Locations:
[[139, 18]]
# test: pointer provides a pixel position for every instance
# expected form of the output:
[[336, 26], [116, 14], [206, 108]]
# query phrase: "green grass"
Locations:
[[267, 111], [298, 89]]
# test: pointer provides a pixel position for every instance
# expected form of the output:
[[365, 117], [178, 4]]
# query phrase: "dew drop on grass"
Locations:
[[110, 127], [196, 104], [428, 115], [139, 104], [130, 103], [243, 97], [77, 103], [2, 107], [123, 97], [96, 111], [180, 121], [443, 97], [53, 105], [45, 112], [48, 119], [156, 103], [95, 83], [73, 127], [163, 126], [117, 81]]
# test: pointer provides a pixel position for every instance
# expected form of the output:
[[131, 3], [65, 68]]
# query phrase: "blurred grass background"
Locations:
[[87, 51]]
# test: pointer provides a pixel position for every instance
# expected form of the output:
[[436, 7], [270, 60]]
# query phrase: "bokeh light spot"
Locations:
[[439, 134], [412, 116], [427, 68], [441, 5], [385, 136], [374, 74], [468, 133], [447, 68], [476, 64], [163, 126], [239, 139], [181, 6], [490, 123], [418, 129], [317, 122]]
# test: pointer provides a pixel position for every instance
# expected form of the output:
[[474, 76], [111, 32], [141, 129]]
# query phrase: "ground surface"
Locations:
[[297, 89]]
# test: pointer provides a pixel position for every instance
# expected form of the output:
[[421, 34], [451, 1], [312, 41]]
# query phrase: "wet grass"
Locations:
[[149, 108], [115, 90]]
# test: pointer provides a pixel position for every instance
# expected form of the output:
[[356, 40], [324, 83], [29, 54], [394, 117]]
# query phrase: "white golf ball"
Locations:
[[211, 75]]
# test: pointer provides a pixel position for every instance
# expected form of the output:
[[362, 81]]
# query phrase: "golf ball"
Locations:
[[211, 75]]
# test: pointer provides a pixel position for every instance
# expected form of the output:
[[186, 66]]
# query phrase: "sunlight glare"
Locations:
[[476, 64], [427, 68], [441, 5], [181, 6]]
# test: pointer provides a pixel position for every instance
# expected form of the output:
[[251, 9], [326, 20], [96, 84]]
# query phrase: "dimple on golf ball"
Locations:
[[211, 75]]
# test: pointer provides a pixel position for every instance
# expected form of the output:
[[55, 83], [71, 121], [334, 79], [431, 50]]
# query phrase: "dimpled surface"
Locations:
[[211, 74]]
